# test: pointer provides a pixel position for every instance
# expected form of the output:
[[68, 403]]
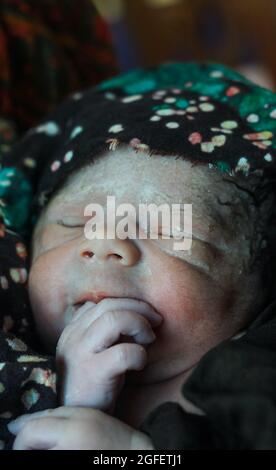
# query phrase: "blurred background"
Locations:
[[238, 33], [51, 48]]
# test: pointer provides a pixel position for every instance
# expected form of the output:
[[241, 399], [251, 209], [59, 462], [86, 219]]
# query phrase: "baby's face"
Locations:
[[197, 292]]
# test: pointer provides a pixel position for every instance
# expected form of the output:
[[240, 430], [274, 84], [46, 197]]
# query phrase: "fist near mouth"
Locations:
[[98, 346]]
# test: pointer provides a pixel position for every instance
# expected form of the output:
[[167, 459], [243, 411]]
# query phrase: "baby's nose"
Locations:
[[123, 251]]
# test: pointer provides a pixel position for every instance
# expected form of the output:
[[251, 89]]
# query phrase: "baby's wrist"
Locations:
[[141, 441]]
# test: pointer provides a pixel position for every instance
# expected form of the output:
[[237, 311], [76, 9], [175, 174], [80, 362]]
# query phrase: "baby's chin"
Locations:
[[149, 375], [156, 371]]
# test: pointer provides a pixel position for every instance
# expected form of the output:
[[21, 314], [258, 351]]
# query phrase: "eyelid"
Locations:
[[67, 225], [215, 250]]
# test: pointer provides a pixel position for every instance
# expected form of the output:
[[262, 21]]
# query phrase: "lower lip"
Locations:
[[100, 297]]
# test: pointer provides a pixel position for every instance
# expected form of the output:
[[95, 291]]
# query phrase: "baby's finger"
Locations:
[[135, 305], [106, 330], [82, 309], [89, 312], [120, 358], [17, 424], [40, 434], [77, 324]]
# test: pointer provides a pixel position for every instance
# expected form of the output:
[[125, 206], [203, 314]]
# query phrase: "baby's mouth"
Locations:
[[97, 297], [91, 300], [92, 297]]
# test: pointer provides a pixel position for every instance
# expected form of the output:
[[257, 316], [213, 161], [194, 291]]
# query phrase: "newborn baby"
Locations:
[[86, 293], [129, 319], [202, 304]]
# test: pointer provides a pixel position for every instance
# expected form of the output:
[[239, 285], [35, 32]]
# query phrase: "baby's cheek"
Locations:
[[195, 309], [176, 289], [47, 295]]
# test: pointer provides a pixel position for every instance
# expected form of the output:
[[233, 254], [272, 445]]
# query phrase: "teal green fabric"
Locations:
[[213, 82], [15, 198]]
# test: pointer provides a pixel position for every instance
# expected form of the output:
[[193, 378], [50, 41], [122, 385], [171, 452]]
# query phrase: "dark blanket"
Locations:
[[235, 385]]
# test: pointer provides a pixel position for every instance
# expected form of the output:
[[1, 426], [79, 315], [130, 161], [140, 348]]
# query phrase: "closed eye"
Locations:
[[197, 243], [67, 225], [167, 235], [177, 235]]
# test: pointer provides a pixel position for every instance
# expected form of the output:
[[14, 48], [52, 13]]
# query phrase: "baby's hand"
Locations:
[[72, 428], [91, 367]]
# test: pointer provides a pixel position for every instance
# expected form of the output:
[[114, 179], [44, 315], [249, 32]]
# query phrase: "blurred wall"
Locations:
[[240, 33]]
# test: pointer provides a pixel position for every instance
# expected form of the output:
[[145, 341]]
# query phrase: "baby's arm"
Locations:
[[91, 367]]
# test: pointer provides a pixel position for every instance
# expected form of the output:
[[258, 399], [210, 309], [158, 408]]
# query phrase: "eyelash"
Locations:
[[167, 235], [60, 222]]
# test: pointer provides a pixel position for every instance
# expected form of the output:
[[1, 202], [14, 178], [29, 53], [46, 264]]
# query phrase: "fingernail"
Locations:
[[152, 336], [157, 318], [12, 427], [16, 425]]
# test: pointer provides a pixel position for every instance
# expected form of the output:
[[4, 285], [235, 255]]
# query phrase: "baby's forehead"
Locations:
[[135, 178], [139, 177], [221, 210]]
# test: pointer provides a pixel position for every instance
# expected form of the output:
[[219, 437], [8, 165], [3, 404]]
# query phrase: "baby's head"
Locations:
[[187, 141], [204, 295]]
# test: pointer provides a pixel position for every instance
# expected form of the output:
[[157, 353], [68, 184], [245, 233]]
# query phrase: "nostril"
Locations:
[[87, 254]]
